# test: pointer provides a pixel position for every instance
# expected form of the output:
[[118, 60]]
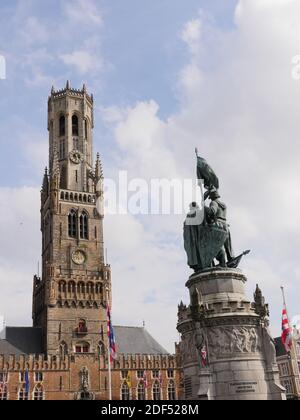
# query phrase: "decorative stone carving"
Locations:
[[84, 379], [224, 340], [188, 347]]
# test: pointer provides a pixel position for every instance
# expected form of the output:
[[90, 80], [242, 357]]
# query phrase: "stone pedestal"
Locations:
[[241, 357]]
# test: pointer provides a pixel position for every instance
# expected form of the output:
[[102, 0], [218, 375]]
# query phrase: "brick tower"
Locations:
[[69, 300]]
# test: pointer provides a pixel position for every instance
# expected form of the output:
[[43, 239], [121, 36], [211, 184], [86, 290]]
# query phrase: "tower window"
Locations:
[[72, 224], [62, 126], [84, 226], [86, 129], [75, 131], [82, 347]]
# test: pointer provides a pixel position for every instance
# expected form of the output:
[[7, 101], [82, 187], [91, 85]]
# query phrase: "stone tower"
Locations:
[[70, 298]]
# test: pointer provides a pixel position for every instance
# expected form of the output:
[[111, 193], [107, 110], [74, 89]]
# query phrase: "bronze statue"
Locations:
[[206, 232]]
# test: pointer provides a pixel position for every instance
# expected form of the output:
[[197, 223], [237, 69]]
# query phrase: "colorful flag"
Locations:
[[286, 336], [27, 383], [204, 355], [128, 381], [111, 336]]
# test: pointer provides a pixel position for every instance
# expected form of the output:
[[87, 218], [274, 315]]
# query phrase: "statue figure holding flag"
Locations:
[[206, 233]]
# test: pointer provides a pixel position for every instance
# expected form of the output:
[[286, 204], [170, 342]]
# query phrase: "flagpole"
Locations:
[[293, 353], [109, 355]]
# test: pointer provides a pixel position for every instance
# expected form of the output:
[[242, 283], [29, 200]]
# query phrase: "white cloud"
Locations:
[[83, 61], [20, 251], [83, 11], [33, 31], [240, 105], [191, 34]]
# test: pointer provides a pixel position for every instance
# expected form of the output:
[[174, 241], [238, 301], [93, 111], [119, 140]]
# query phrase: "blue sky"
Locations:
[[166, 75], [136, 43]]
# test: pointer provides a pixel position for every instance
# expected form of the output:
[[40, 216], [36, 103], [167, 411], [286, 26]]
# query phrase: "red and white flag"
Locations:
[[286, 336]]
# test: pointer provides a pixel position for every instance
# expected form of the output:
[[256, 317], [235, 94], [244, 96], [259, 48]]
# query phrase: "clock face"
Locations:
[[75, 157], [78, 257]]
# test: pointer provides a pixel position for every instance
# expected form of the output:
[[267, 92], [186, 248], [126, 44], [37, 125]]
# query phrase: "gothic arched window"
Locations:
[[84, 230], [171, 391], [62, 126], [63, 349], [75, 131], [38, 393], [72, 224], [156, 391], [86, 129], [141, 392], [23, 395], [125, 394]]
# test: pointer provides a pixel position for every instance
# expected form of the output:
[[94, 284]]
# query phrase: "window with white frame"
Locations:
[[3, 377], [3, 392], [38, 393], [155, 374], [288, 386], [140, 374], [125, 392], [171, 391], [23, 395], [156, 391], [22, 376], [38, 376], [141, 391], [285, 369]]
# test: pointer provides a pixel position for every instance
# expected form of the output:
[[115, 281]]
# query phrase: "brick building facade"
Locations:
[[64, 355]]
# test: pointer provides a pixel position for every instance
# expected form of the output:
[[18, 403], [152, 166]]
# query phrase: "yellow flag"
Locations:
[[128, 380]]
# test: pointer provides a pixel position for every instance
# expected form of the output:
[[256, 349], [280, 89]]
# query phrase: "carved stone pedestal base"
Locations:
[[227, 350]]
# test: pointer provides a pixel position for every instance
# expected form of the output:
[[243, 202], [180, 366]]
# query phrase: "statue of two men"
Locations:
[[206, 232]]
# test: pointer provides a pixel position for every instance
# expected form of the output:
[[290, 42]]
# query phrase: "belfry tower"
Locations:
[[70, 298]]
